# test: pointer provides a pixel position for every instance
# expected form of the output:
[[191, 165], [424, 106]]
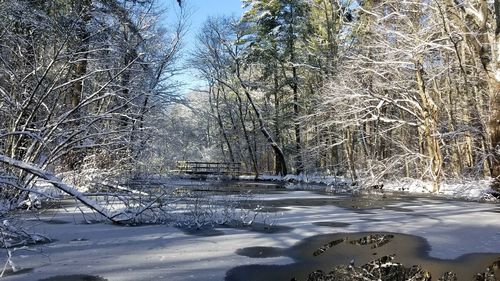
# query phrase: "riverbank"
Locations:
[[472, 190]]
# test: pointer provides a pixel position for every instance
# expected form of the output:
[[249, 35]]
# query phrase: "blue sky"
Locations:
[[199, 11]]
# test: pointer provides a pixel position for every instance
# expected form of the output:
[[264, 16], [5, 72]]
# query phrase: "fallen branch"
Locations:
[[68, 189]]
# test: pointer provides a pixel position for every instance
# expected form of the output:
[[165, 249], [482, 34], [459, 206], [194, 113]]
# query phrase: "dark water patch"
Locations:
[[406, 249], [260, 252], [257, 272], [332, 224], [10, 272], [77, 277]]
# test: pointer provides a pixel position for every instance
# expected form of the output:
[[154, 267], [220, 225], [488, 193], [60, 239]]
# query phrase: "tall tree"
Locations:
[[276, 29]]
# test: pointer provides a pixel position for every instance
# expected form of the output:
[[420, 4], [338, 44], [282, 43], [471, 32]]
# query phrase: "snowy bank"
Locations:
[[465, 189], [474, 190]]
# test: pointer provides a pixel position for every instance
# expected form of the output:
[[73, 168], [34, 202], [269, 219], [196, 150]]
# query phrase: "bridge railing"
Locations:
[[209, 168]]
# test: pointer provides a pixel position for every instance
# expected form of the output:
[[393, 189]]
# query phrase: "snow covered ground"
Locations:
[[159, 252]]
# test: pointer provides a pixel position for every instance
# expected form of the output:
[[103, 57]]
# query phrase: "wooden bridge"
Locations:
[[208, 168]]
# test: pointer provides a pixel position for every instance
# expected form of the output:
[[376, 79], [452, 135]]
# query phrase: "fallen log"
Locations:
[[66, 188]]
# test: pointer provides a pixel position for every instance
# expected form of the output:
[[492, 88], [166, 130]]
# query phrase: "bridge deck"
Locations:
[[209, 168]]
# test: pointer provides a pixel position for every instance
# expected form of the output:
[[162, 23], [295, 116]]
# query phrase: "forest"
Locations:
[[370, 90]]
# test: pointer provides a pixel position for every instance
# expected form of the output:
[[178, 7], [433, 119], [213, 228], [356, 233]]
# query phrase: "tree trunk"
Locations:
[[277, 110], [349, 151], [280, 156], [294, 84], [82, 8], [251, 151], [298, 145], [221, 125], [494, 125], [429, 112], [495, 140]]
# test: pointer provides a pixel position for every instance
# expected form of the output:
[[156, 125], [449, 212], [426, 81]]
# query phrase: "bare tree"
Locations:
[[219, 60], [79, 85]]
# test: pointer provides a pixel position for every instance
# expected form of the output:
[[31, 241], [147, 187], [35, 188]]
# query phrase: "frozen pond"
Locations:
[[438, 234]]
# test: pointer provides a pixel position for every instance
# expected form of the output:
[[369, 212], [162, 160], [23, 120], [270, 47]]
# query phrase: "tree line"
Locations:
[[372, 90], [367, 89]]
